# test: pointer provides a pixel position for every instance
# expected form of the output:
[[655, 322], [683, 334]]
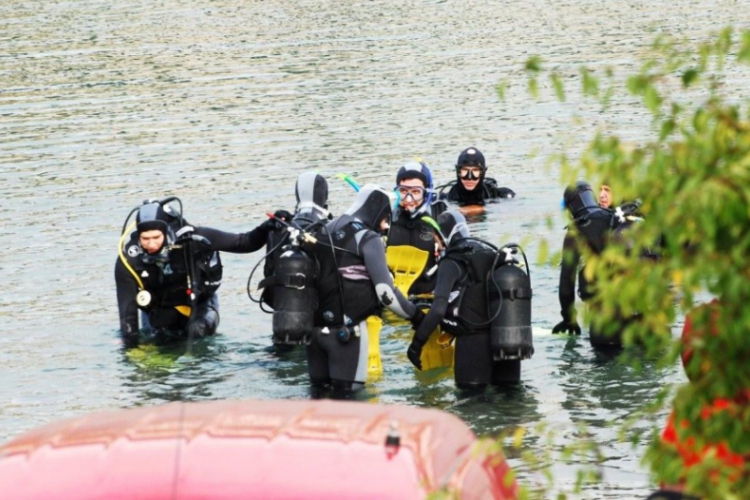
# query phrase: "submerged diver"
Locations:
[[171, 270], [353, 283], [471, 186], [596, 226], [412, 223], [467, 304]]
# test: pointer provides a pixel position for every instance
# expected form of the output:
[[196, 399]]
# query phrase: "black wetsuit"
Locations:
[[474, 364], [486, 190], [415, 232], [165, 279], [356, 276]]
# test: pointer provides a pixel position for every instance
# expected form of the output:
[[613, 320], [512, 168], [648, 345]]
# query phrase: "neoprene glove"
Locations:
[[414, 353], [568, 325], [273, 223], [196, 328], [283, 215]]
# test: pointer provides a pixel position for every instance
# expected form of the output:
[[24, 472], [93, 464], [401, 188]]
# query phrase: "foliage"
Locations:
[[693, 177]]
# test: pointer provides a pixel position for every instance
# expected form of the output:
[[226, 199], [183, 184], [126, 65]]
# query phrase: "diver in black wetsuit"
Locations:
[[409, 224], [353, 283], [460, 308], [471, 186], [596, 226], [171, 270]]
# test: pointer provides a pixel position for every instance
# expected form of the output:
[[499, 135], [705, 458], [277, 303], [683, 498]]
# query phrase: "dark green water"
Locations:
[[224, 103]]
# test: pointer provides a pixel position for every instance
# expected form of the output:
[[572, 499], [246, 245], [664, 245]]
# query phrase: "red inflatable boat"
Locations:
[[254, 450]]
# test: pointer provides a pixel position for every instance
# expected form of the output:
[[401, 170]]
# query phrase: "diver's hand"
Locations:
[[283, 215], [569, 327], [277, 221], [506, 192], [414, 353], [197, 328]]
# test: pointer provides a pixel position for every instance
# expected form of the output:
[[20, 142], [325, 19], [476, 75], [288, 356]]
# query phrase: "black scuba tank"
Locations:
[[295, 297], [510, 331]]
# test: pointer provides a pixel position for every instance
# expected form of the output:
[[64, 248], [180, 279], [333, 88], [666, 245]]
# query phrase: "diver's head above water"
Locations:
[[470, 168], [311, 191], [579, 199], [152, 227], [372, 207], [414, 187], [453, 227]]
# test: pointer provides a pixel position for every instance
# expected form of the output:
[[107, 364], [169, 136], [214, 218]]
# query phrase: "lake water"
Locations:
[[223, 103]]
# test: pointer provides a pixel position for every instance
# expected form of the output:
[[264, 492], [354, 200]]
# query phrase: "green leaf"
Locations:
[[558, 86], [500, 89], [590, 83], [534, 88], [534, 64], [689, 76]]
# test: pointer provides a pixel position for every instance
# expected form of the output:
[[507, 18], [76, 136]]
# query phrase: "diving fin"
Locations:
[[438, 352], [407, 264], [374, 361]]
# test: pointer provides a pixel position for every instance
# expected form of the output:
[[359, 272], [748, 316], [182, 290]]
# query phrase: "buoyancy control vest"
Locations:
[[165, 275], [418, 234], [493, 296], [343, 279]]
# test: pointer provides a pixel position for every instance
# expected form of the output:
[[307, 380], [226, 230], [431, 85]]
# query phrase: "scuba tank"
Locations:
[[510, 330], [295, 296]]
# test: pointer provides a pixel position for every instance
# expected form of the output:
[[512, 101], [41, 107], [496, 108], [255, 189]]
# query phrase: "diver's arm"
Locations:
[[372, 250], [496, 191], [127, 289], [222, 241], [571, 259], [448, 274]]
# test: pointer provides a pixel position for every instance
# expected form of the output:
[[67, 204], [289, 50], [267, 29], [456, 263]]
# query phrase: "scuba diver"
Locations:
[[483, 298], [413, 226], [171, 270], [311, 192], [353, 283], [471, 186], [597, 226]]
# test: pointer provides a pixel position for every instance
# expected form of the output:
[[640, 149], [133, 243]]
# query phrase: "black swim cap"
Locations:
[[453, 226], [372, 205], [151, 216], [471, 157]]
